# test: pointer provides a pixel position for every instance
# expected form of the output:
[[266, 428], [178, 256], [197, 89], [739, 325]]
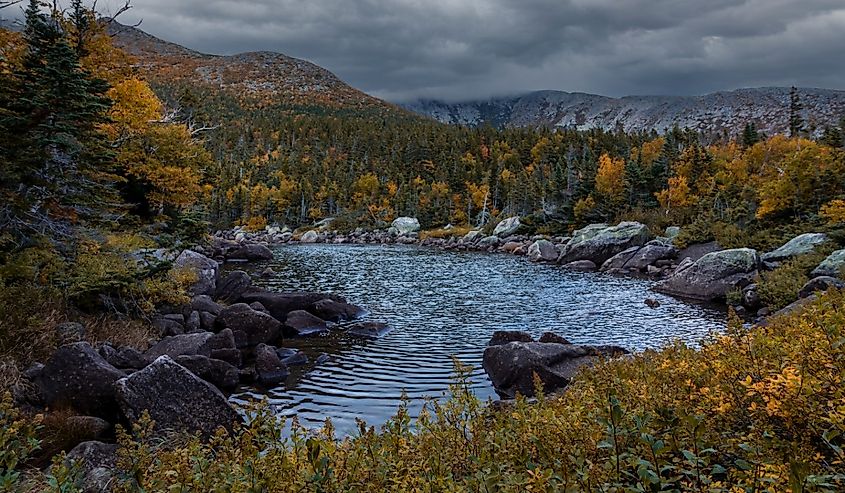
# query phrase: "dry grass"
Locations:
[[443, 233]]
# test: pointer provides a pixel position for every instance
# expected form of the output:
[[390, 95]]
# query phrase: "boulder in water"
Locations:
[[600, 244], [543, 251], [712, 276], [512, 366], [249, 326], [251, 252], [309, 237]]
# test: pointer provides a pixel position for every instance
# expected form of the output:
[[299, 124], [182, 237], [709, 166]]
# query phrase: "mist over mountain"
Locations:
[[767, 107]]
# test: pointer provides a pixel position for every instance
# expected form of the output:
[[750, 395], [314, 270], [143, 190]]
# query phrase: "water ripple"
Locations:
[[442, 305]]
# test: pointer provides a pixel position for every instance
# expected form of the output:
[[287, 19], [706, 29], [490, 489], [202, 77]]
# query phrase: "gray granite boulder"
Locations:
[[712, 276], [176, 399]]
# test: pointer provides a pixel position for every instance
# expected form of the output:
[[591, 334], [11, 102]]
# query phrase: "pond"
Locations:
[[441, 305]]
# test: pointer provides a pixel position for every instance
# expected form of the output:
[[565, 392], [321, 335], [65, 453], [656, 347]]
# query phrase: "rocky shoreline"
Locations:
[[232, 333], [702, 272]]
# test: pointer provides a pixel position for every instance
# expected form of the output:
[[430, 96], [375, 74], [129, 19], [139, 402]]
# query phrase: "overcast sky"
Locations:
[[471, 49]]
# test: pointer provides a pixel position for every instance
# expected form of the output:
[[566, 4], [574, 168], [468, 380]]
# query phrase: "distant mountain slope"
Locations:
[[281, 77], [767, 107]]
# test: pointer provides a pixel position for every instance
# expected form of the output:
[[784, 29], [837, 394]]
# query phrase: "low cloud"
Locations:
[[471, 49]]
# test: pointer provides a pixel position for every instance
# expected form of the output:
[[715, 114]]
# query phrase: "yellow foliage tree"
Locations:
[[610, 179]]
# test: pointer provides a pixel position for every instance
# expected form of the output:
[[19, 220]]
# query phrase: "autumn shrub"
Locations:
[[760, 409], [780, 287], [700, 231]]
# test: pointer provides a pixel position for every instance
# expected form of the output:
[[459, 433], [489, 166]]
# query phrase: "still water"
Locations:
[[441, 305]]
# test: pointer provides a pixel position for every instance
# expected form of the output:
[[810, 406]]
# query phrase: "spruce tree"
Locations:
[[750, 135], [796, 121], [59, 156]]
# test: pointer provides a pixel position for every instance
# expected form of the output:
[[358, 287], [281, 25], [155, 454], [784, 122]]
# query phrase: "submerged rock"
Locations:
[[335, 311], [368, 330], [302, 323]]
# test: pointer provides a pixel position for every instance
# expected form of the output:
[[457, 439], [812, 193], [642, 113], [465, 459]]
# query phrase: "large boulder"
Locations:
[[269, 367], [511, 367], [712, 276], [800, 245], [176, 399], [205, 269], [543, 251], [822, 283], [250, 252], [832, 266], [303, 323], [618, 261], [406, 225], [219, 373], [649, 255], [507, 227], [334, 311], [310, 237], [599, 245], [698, 250], [250, 327], [77, 377], [181, 345], [280, 304], [472, 236], [233, 286], [96, 462]]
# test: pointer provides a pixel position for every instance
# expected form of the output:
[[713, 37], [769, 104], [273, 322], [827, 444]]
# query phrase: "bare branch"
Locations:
[[9, 3]]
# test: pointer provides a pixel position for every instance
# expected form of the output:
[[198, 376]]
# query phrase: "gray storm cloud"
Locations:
[[471, 49]]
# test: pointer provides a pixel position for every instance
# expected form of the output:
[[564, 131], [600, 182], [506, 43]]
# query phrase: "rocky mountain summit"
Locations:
[[262, 74], [767, 107]]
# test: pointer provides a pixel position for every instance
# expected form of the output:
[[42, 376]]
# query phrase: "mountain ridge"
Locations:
[[261, 73], [767, 107]]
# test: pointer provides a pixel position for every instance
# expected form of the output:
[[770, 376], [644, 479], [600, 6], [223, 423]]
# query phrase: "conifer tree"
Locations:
[[796, 121], [53, 111]]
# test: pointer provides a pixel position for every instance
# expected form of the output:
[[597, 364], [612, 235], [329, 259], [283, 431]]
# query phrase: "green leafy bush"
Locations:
[[780, 287]]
